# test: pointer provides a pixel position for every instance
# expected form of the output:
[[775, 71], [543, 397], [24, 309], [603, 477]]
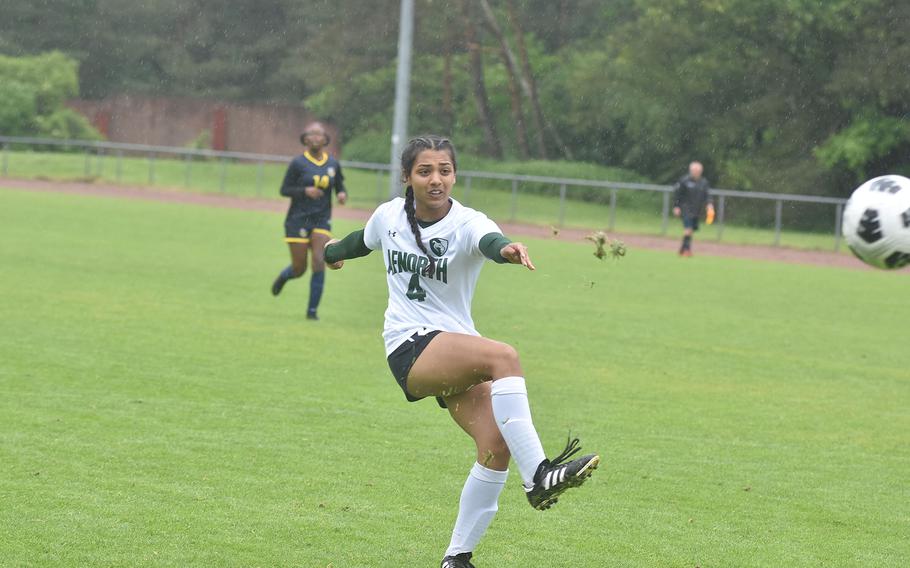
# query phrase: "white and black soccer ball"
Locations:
[[877, 222]]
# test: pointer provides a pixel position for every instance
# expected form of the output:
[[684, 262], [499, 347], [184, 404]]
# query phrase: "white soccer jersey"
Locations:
[[417, 303]]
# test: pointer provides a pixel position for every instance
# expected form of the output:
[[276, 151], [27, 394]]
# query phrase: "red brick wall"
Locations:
[[173, 121]]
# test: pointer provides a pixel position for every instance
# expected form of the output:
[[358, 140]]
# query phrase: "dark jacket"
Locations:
[[692, 196]]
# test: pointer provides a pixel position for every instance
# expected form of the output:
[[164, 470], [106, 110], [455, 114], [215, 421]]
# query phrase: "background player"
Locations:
[[434, 249], [309, 182], [691, 196]]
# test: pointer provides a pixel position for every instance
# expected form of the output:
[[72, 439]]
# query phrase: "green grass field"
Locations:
[[159, 408], [636, 212]]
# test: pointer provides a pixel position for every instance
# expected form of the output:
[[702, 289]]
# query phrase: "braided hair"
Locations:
[[408, 156]]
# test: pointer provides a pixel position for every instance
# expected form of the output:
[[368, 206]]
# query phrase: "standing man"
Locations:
[[309, 182], [692, 196]]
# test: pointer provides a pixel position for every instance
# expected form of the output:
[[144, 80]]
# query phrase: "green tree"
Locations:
[[33, 91]]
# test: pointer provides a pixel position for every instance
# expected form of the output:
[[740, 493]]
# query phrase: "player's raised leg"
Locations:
[[453, 362], [318, 239], [298, 249]]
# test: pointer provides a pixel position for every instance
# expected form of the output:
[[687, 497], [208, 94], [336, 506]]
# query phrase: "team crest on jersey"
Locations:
[[439, 246], [331, 172]]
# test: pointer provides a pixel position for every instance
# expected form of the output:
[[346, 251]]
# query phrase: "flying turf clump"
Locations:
[[617, 249], [602, 242]]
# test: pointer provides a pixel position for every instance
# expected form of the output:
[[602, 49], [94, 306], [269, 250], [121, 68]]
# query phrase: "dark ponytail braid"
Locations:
[[408, 156], [415, 228]]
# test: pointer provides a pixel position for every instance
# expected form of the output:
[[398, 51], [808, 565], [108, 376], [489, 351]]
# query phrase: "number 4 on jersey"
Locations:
[[415, 292]]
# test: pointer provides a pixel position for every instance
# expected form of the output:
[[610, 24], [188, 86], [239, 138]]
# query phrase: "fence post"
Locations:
[[612, 210], [467, 190], [720, 216], [151, 169], [223, 175], [5, 160], [778, 213], [665, 214], [513, 211], [188, 163], [119, 166], [378, 187], [86, 170], [259, 169], [838, 222], [562, 204], [99, 163]]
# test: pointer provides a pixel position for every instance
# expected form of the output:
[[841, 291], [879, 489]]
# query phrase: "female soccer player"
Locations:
[[309, 182], [433, 249]]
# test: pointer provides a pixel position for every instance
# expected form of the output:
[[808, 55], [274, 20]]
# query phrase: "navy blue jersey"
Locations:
[[305, 171], [691, 195]]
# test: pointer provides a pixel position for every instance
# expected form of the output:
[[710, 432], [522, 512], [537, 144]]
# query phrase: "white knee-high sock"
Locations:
[[479, 503], [513, 416]]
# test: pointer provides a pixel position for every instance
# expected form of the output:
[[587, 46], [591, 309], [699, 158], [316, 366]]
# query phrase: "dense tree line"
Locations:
[[804, 96]]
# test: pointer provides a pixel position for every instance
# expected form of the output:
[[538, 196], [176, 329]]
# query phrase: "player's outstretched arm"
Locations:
[[500, 249], [352, 246], [341, 191], [517, 253]]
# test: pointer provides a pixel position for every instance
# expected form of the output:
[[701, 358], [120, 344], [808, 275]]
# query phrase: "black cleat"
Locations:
[[278, 284], [554, 477], [311, 315], [462, 560]]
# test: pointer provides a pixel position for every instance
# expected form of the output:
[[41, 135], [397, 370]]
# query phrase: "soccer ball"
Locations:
[[877, 222]]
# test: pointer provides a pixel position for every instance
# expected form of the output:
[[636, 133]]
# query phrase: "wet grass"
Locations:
[[158, 407]]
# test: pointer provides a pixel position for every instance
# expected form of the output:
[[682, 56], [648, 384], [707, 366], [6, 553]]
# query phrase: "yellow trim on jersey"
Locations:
[[296, 240], [321, 232], [319, 162]]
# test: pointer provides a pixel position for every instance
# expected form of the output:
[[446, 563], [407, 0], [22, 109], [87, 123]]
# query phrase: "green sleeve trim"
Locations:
[[491, 244], [352, 246]]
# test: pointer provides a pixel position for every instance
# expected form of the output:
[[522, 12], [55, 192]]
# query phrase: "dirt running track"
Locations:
[[708, 248]]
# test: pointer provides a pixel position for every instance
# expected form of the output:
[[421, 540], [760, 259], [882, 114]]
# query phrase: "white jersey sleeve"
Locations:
[[372, 233], [477, 227]]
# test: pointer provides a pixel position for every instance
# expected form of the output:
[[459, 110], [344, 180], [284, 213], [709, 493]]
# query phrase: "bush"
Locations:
[[33, 91], [53, 77], [370, 146], [67, 124], [18, 109]]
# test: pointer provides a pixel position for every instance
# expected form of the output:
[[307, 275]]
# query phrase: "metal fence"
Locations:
[[97, 151]]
